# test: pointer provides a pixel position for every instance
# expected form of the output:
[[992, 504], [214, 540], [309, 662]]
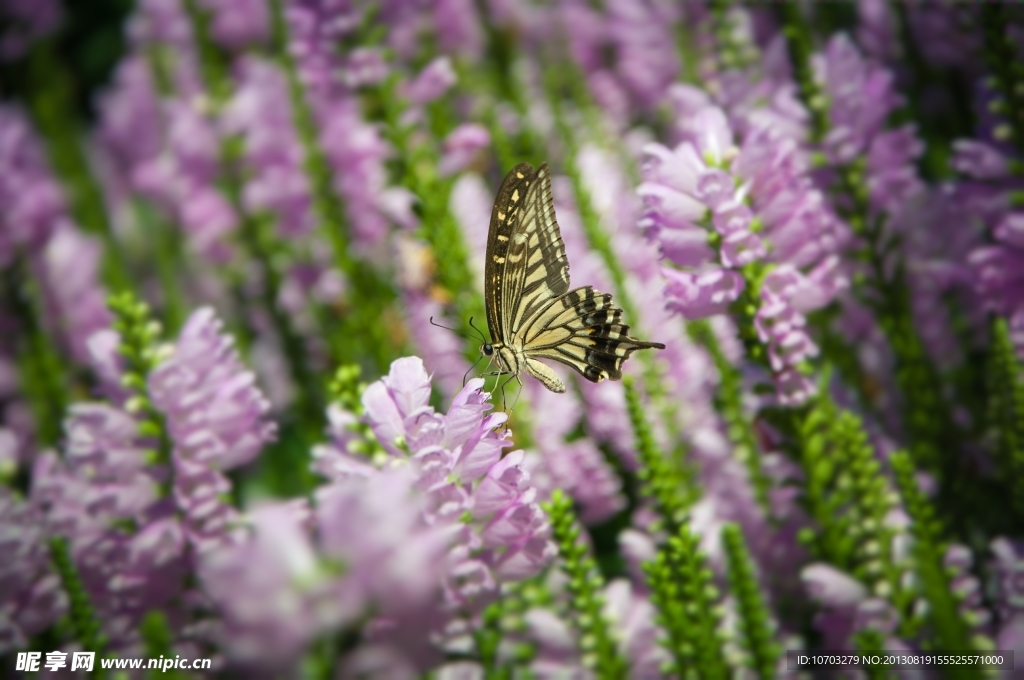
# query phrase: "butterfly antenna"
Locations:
[[482, 338], [432, 323]]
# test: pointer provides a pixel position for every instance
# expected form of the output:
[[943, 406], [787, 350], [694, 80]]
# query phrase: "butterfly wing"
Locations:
[[583, 329], [526, 264]]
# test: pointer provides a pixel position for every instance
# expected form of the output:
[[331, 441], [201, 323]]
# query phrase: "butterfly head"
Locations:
[[487, 349]]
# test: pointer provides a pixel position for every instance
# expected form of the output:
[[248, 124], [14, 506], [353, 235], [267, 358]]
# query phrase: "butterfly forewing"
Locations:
[[530, 309], [503, 221]]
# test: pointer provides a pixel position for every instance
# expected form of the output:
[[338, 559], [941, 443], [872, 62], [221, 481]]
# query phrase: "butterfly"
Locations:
[[531, 313]]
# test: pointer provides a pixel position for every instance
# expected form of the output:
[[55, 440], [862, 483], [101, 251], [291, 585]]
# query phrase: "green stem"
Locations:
[[51, 109], [259, 241], [1006, 412], [41, 372]]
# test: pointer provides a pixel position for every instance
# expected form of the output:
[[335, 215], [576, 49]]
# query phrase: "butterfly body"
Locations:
[[531, 313]]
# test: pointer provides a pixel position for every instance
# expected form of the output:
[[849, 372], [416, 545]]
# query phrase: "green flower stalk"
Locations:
[[159, 640], [947, 626], [733, 53], [256, 234], [213, 66], [139, 346], [687, 605], [417, 171], [798, 43], [596, 641], [662, 480], [872, 642], [849, 498], [41, 373], [756, 626], [1006, 411], [346, 390], [84, 622], [1007, 74]]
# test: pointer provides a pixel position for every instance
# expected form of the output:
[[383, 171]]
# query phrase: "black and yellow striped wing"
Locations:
[[526, 263], [531, 313]]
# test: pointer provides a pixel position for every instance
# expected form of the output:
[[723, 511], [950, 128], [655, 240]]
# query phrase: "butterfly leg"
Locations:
[[518, 394], [470, 370]]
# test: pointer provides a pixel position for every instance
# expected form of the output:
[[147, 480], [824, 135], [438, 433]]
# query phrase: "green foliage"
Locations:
[[872, 642], [50, 103], [849, 499], [947, 626], [798, 43], [754, 617], [687, 604], [1006, 412], [596, 640], [158, 640]]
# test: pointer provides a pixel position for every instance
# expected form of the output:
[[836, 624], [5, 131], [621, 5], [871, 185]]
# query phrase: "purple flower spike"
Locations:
[[32, 199], [482, 502], [272, 613], [763, 207], [399, 398], [210, 399], [237, 23], [72, 271], [432, 82], [461, 147], [216, 417], [31, 598], [697, 296]]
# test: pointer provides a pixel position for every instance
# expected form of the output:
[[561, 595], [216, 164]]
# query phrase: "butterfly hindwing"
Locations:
[[583, 329]]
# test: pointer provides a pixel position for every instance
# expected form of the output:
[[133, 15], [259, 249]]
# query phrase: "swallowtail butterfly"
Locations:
[[531, 313]]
